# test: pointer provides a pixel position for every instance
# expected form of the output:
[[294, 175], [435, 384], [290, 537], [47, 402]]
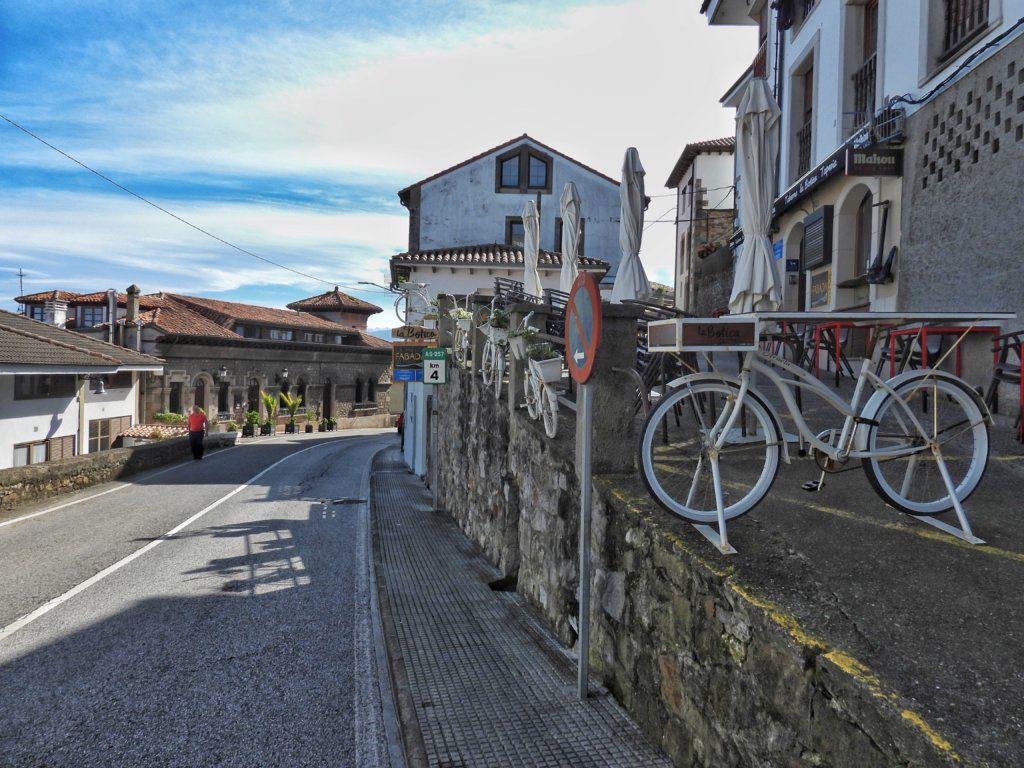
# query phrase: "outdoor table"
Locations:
[[926, 330]]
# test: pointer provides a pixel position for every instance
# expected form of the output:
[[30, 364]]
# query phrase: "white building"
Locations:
[[704, 181], [466, 229], [836, 68], [52, 404]]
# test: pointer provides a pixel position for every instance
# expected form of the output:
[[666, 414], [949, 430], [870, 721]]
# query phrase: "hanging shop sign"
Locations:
[[821, 289], [414, 333], [874, 161]]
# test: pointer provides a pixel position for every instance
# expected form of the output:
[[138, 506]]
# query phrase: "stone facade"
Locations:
[[712, 673], [42, 481]]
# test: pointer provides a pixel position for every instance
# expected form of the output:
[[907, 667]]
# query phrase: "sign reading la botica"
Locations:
[[414, 333]]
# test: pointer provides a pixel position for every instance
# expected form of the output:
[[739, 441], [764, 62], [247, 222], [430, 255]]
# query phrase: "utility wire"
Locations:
[[164, 210]]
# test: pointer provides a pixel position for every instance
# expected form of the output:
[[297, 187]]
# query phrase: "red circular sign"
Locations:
[[582, 327]]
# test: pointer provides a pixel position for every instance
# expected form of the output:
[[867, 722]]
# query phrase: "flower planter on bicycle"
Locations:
[[543, 371], [711, 449]]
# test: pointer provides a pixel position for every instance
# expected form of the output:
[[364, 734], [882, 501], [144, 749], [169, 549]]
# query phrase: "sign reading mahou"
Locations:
[[874, 161]]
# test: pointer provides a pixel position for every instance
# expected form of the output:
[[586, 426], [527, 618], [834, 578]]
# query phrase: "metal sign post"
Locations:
[[582, 338], [435, 373]]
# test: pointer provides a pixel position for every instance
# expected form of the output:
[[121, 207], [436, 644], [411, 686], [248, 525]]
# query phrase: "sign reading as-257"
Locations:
[[435, 366]]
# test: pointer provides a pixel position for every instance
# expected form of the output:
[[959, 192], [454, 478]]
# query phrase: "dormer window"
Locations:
[[522, 170]]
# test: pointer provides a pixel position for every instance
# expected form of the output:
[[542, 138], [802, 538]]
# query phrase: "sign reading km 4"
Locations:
[[435, 366]]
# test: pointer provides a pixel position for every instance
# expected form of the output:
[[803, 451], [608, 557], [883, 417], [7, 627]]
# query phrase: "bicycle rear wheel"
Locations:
[[460, 346], [948, 411], [532, 392], [549, 411], [499, 370], [674, 451], [487, 364]]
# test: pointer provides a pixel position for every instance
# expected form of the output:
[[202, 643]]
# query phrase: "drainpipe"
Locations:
[[111, 314], [780, 58], [82, 386]]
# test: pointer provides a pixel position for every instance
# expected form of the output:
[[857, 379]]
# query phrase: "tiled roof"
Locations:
[[335, 301], [30, 342], [225, 313], [727, 144], [175, 319], [488, 255], [164, 430], [372, 341], [402, 193], [96, 297]]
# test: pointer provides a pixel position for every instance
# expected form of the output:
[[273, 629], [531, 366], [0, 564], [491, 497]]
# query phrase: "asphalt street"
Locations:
[[210, 613]]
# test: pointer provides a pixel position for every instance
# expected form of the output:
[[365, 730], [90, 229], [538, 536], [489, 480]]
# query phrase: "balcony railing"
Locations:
[[803, 149], [760, 65], [964, 18], [864, 93]]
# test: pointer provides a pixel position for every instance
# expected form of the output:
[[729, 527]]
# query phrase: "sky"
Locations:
[[286, 127]]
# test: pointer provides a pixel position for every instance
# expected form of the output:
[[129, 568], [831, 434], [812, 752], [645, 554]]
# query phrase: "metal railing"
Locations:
[[760, 65], [803, 149], [864, 91], [964, 18]]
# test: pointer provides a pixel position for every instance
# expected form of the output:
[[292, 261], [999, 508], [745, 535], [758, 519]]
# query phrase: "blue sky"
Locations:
[[288, 127]]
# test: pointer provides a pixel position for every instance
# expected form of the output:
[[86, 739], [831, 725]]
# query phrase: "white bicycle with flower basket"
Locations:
[[463, 329], [711, 449], [492, 358]]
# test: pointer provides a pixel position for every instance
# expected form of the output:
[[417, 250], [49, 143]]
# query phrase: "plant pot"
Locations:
[[499, 335], [548, 371], [289, 428], [229, 437], [309, 428], [464, 323], [518, 346], [429, 323], [266, 429], [322, 428], [249, 430]]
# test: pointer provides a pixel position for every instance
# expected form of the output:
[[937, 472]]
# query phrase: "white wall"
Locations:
[[463, 282], [462, 208], [31, 421]]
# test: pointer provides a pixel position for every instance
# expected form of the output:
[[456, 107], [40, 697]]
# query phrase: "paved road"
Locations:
[[213, 613]]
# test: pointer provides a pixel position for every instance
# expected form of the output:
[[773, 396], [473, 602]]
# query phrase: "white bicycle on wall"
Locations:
[[711, 449]]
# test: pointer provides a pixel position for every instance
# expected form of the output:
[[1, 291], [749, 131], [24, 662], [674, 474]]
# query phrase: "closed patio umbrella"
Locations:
[[531, 250], [631, 281], [570, 205], [756, 285]]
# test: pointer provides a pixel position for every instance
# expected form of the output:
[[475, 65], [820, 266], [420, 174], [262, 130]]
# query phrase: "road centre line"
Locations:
[[42, 610]]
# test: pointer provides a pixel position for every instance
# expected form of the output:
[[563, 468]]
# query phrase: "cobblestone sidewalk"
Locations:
[[489, 686]]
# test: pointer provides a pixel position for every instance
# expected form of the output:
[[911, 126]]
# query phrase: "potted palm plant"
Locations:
[[270, 403], [311, 417], [292, 403], [545, 362]]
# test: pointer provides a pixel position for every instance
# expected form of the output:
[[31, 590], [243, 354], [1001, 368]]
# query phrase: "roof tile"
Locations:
[[726, 144], [335, 301], [489, 255]]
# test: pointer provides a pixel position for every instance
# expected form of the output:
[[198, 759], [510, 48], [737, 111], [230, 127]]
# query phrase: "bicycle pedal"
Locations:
[[812, 485]]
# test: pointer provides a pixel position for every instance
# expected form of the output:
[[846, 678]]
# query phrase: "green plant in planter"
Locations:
[[543, 351], [459, 314], [231, 427], [270, 403], [252, 418], [292, 404], [527, 332], [169, 418], [499, 319], [332, 423]]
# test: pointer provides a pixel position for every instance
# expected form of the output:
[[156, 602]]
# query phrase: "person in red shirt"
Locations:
[[196, 431]]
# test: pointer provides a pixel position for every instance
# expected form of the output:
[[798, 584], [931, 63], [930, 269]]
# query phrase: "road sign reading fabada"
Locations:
[[435, 366], [582, 327]]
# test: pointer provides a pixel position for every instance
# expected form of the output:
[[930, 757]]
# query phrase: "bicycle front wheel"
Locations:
[[909, 477], [549, 411], [532, 392], [460, 343], [499, 370], [675, 459], [487, 364]]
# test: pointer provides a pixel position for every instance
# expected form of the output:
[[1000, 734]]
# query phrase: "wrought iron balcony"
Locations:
[[760, 65], [964, 19]]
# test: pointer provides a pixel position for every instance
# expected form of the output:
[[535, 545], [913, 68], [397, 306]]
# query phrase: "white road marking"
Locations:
[[45, 608], [101, 493]]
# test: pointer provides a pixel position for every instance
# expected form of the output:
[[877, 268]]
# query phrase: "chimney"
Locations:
[[56, 313], [111, 314], [132, 325]]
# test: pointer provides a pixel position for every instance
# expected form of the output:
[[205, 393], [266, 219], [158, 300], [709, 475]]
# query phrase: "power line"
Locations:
[[164, 210]]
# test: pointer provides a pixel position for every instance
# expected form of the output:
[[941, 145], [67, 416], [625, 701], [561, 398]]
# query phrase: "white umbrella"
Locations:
[[631, 280], [531, 249], [756, 282], [570, 204]]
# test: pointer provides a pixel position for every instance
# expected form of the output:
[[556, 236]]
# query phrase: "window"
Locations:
[[61, 447], [90, 316], [538, 173], [103, 432], [558, 236], [803, 119], [280, 335], [37, 387], [510, 172], [317, 338], [199, 394], [523, 170], [963, 20], [337, 339], [174, 398], [371, 391], [863, 234], [515, 233], [803, 10], [359, 390], [223, 397], [29, 453], [36, 311], [240, 330]]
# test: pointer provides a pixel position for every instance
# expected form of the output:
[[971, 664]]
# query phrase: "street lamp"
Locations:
[[223, 373]]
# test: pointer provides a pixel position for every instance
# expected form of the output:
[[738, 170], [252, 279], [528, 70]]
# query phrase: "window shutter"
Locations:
[[818, 238]]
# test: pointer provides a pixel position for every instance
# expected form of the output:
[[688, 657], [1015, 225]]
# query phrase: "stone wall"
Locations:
[[21, 485], [713, 674]]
